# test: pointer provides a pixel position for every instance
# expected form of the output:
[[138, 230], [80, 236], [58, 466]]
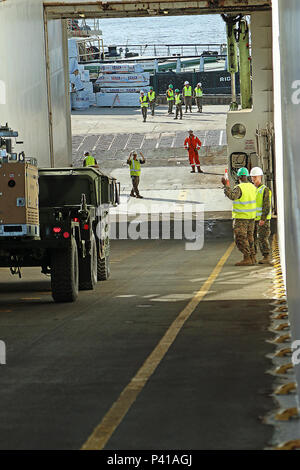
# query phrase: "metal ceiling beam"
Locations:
[[127, 8]]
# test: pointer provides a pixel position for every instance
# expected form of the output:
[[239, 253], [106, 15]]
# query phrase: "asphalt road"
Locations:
[[68, 363]]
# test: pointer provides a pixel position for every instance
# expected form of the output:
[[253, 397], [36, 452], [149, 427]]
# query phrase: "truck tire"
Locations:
[[88, 268], [103, 268], [65, 273]]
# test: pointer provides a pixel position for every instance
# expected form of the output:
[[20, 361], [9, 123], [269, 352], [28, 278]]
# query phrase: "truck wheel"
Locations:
[[88, 268], [64, 273], [103, 269]]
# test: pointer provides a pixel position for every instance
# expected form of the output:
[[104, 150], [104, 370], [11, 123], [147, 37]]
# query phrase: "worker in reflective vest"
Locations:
[[178, 104], [152, 99], [170, 99], [198, 96], [187, 95], [262, 229], [243, 213], [193, 144], [144, 105], [135, 171], [89, 160]]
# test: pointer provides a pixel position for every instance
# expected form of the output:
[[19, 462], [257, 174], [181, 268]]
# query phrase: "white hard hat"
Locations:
[[200, 84], [186, 83], [142, 91], [256, 172]]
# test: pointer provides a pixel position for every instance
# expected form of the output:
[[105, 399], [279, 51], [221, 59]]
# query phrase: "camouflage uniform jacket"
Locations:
[[266, 204], [234, 193]]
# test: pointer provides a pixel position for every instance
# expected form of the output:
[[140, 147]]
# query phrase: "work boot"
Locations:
[[175, 118], [199, 170], [193, 171], [139, 196], [266, 260], [247, 261], [132, 194]]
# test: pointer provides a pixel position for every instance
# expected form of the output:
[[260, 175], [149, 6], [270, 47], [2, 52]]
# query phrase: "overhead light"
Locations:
[[166, 12], [82, 15]]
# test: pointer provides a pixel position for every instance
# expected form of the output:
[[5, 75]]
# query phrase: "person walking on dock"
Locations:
[[262, 229], [152, 100], [178, 104], [193, 144], [135, 171], [243, 213], [187, 94], [198, 96], [144, 104], [170, 99]]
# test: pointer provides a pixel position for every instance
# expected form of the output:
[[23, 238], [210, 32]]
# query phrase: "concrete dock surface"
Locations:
[[129, 120]]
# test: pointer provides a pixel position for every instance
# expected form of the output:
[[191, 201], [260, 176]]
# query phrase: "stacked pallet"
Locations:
[[81, 87], [120, 85]]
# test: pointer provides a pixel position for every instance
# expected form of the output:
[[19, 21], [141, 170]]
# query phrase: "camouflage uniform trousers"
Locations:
[[170, 106], [199, 103], [188, 101], [152, 107], [244, 236], [261, 237], [135, 183]]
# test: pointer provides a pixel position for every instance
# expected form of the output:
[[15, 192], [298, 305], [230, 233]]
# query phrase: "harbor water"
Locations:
[[205, 29]]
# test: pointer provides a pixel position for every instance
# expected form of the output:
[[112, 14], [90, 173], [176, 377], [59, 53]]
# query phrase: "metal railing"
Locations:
[[91, 49], [175, 50]]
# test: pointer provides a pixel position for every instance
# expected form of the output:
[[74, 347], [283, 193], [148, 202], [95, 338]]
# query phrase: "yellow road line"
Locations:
[[103, 432]]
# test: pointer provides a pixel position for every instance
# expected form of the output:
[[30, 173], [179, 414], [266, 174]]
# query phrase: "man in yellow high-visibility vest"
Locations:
[[170, 99], [178, 104], [198, 96], [188, 96], [144, 104], [135, 171], [243, 213], [89, 160], [262, 229], [151, 99]]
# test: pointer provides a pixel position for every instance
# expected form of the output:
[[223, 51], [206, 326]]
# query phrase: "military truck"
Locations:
[[55, 218]]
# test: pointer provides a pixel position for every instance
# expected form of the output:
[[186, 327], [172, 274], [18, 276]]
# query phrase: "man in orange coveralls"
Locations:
[[193, 144]]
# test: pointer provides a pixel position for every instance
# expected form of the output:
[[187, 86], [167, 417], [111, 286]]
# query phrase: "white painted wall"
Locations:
[[278, 136], [262, 84], [23, 77], [60, 99]]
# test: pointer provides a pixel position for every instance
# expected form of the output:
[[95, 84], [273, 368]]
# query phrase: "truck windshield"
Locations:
[[64, 190]]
